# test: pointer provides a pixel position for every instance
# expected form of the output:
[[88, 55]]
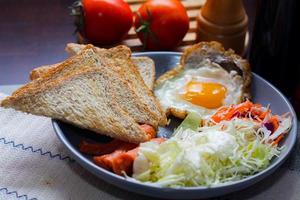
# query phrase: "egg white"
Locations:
[[169, 96]]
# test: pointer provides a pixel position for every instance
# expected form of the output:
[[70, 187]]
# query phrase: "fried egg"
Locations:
[[202, 90]]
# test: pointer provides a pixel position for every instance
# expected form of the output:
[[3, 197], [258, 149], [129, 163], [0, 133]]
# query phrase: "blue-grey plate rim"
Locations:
[[142, 188]]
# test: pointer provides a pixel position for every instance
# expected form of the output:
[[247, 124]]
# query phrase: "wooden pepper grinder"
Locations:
[[224, 21]]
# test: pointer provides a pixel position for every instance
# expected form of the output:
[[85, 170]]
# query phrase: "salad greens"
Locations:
[[191, 121], [205, 156]]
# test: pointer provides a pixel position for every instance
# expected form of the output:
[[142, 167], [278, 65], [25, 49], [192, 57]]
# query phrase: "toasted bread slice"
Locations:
[[145, 65], [131, 74], [127, 96], [146, 68], [80, 98], [193, 56], [74, 48], [39, 71], [71, 48], [119, 60]]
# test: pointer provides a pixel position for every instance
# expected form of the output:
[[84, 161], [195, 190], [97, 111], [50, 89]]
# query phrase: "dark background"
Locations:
[[34, 33]]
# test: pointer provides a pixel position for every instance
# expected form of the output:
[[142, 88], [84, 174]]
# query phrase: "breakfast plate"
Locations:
[[262, 92]]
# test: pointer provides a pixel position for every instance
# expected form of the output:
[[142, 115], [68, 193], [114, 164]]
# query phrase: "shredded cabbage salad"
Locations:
[[204, 156]]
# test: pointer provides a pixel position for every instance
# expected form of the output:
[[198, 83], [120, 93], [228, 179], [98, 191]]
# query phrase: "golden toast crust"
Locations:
[[32, 100]]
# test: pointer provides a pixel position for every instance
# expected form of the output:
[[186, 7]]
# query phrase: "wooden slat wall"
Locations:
[[192, 7]]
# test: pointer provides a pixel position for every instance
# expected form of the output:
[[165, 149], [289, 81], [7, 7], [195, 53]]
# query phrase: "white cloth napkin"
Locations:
[[35, 165]]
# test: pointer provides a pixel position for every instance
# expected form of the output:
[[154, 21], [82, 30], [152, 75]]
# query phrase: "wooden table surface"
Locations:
[[34, 33]]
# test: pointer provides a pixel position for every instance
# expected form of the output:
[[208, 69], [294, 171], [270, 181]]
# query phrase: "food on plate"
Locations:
[[103, 22], [116, 155], [120, 161], [80, 99], [275, 125], [100, 92], [161, 25], [99, 149], [237, 141], [146, 68], [224, 137], [37, 72], [144, 65], [207, 78], [218, 152], [242, 110]]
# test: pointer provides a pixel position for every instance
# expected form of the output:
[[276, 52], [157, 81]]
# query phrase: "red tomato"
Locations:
[[106, 21], [161, 24]]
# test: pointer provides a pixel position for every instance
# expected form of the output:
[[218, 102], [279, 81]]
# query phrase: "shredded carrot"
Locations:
[[264, 114], [250, 111], [241, 110], [274, 121], [278, 139]]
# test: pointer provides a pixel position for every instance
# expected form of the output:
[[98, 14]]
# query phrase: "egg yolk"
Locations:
[[208, 95]]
